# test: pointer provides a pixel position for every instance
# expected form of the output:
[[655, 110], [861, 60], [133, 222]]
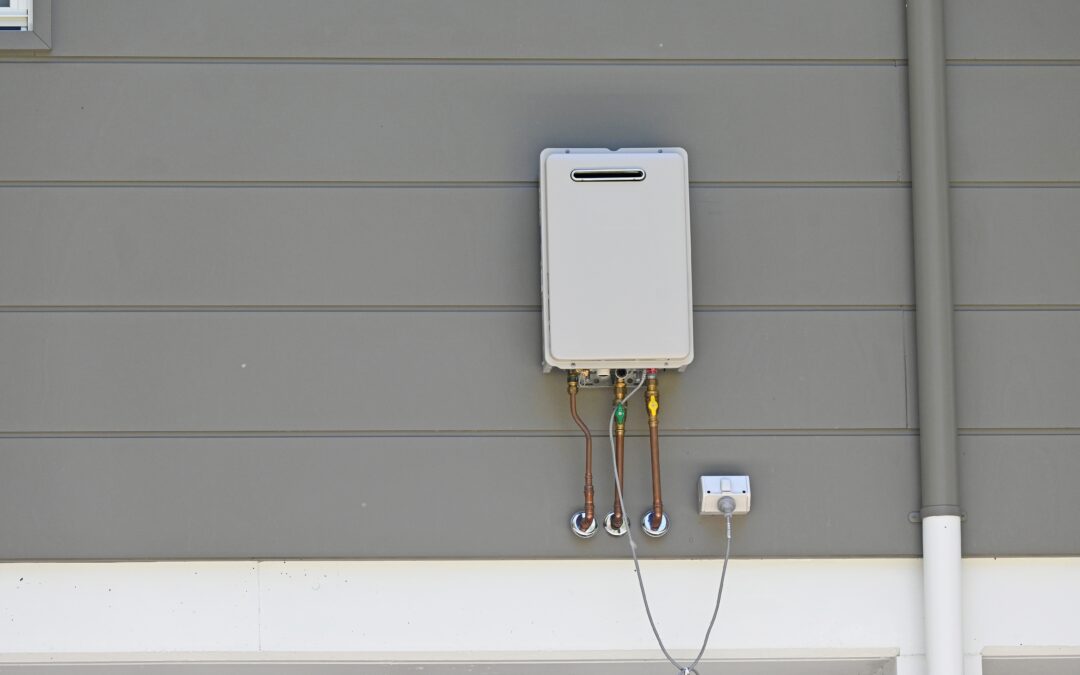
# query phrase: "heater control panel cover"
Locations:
[[615, 258]]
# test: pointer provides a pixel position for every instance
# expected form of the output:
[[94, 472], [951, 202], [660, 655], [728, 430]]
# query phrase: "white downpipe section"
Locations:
[[942, 595]]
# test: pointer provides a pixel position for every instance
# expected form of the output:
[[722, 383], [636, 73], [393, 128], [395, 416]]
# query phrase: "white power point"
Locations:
[[711, 489]]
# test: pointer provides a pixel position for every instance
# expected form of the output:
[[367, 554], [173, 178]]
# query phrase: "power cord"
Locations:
[[727, 508]]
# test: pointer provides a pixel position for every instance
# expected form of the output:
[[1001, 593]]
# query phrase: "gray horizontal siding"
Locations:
[[439, 497], [225, 371], [1018, 246], [422, 246], [500, 29], [1005, 29], [517, 29], [1013, 123], [1019, 494], [246, 122], [1014, 369], [821, 666], [163, 371], [106, 498], [1018, 369], [454, 395], [95, 121], [480, 247]]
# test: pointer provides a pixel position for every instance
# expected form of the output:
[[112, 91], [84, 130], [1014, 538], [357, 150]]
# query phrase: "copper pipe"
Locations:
[[620, 438], [652, 406], [590, 507]]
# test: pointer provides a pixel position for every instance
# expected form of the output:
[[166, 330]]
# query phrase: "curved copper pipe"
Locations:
[[590, 507], [620, 439], [652, 405]]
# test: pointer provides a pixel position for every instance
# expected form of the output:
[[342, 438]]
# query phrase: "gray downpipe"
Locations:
[[941, 542], [933, 266]]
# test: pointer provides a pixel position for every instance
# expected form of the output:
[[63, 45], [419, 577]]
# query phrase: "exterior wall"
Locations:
[[240, 238], [268, 290]]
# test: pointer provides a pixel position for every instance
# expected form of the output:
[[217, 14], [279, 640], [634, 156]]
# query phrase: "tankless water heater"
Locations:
[[615, 261]]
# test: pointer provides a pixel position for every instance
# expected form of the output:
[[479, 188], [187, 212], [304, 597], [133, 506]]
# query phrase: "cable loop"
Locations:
[[683, 670]]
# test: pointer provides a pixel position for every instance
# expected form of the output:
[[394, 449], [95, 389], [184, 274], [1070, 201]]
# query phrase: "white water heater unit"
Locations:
[[615, 261]]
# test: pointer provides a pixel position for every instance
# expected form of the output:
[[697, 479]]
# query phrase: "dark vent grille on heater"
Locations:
[[599, 175]]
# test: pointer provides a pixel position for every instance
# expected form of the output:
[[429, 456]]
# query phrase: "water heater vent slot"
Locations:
[[606, 175]]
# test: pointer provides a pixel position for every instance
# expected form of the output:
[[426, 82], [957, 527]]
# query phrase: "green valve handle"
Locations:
[[620, 413]]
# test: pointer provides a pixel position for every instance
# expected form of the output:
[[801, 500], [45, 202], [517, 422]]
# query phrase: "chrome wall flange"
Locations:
[[646, 525], [575, 526], [623, 527]]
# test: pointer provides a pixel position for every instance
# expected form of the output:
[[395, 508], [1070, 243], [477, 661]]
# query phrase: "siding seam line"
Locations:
[[909, 432], [497, 309]]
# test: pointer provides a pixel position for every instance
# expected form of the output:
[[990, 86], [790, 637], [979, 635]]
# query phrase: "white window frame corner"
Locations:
[[38, 36]]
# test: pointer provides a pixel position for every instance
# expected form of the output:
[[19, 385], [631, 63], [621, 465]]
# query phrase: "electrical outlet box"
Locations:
[[712, 488], [615, 258]]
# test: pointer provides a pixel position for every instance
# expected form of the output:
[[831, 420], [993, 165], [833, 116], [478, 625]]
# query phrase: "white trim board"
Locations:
[[516, 610]]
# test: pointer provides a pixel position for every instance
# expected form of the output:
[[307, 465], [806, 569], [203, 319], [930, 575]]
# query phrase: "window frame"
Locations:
[[39, 35], [17, 9]]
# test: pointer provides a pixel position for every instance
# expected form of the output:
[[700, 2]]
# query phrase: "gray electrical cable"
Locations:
[[685, 670]]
